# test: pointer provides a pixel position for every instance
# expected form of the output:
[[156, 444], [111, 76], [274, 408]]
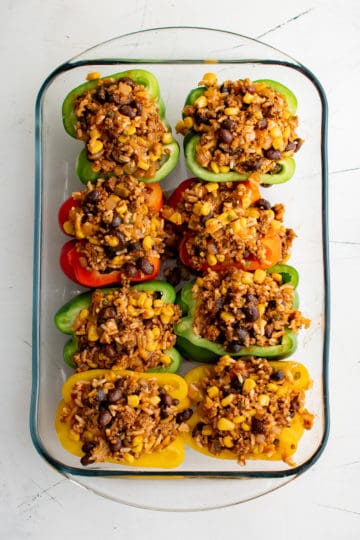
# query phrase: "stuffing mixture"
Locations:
[[122, 128], [244, 405], [125, 328], [244, 126]]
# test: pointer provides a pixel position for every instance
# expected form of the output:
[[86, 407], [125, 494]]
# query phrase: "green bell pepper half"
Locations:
[[84, 169], [66, 315], [199, 349], [191, 140]]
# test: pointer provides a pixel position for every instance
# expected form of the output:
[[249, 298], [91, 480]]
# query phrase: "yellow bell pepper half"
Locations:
[[288, 437], [169, 457]]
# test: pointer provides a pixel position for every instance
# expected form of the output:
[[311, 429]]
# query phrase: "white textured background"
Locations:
[[35, 37]]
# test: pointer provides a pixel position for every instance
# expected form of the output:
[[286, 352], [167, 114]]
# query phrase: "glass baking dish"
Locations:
[[170, 54]]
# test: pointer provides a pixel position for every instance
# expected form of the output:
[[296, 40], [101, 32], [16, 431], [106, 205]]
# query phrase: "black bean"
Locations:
[[268, 330], [86, 460], [163, 414], [128, 81], [130, 270], [88, 446], [241, 334], [107, 313], [184, 415], [272, 154], [110, 252], [263, 204], [224, 89], [104, 417], [299, 143], [234, 347], [251, 298], [262, 124], [229, 124], [277, 375], [114, 395], [166, 400], [251, 312], [134, 246], [93, 196], [291, 145], [116, 221], [126, 110], [109, 350], [258, 426], [138, 106], [236, 384], [100, 94], [100, 396], [225, 136], [145, 265], [116, 445], [115, 98]]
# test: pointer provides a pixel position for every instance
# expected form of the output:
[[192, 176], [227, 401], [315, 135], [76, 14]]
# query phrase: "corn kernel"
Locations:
[[95, 146], [228, 441], [209, 79], [231, 111], [74, 436], [263, 400], [143, 165], [69, 228], [276, 225], [201, 102], [167, 138], [151, 346], [92, 76], [131, 130], [272, 387], [188, 122], [238, 419], [227, 400], [165, 359], [275, 132], [92, 333], [212, 186], [94, 133], [227, 317], [154, 400], [259, 276], [214, 167], [253, 212], [211, 259], [248, 98], [138, 439], [84, 313], [122, 139], [220, 258], [148, 313], [133, 400], [225, 425], [224, 169], [212, 391], [245, 426], [155, 332], [261, 309], [111, 241], [247, 278], [277, 277], [176, 218], [248, 385], [129, 458], [179, 126], [147, 243], [207, 430]]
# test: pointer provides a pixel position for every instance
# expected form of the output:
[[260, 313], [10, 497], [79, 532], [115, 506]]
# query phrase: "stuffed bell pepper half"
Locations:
[[121, 120]]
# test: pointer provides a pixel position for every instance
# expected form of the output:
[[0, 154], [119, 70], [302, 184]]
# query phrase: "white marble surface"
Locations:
[[36, 36]]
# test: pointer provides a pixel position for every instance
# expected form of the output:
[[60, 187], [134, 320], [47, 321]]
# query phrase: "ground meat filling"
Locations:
[[122, 417], [117, 228], [244, 126], [243, 406], [125, 328], [122, 128], [227, 227], [240, 309]]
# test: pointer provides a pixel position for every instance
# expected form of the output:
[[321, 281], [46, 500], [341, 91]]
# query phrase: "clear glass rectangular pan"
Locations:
[[170, 54]]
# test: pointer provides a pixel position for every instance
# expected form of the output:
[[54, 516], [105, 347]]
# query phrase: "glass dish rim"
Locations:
[[35, 385]]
